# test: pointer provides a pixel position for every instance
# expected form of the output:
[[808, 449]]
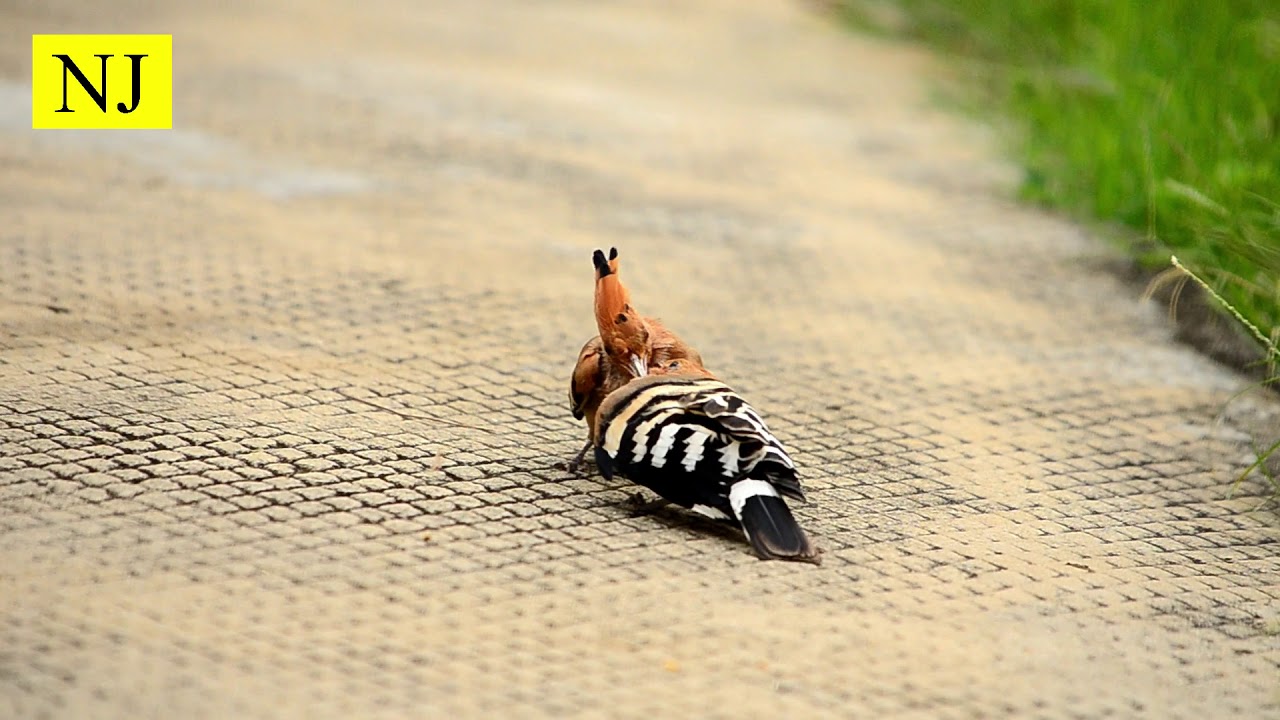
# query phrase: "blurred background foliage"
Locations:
[[1161, 115]]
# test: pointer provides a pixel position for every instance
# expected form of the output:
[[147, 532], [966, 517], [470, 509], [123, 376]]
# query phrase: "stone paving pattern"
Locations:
[[1015, 473]]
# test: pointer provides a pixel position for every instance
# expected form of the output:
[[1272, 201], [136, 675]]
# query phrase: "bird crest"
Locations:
[[623, 330], [605, 267]]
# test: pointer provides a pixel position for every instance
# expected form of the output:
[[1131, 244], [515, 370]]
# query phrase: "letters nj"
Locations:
[[100, 97]]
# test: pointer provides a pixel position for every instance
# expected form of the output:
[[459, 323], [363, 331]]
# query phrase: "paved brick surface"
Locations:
[[1014, 471]]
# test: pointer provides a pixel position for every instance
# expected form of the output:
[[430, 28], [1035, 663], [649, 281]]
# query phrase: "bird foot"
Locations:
[[576, 468], [640, 506], [575, 465]]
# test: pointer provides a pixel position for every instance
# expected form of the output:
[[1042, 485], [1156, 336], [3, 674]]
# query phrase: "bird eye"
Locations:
[[674, 365], [622, 317]]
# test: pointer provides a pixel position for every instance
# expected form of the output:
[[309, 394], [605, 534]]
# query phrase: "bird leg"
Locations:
[[574, 466]]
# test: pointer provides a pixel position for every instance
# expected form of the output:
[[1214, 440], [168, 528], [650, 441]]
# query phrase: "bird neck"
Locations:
[[612, 305]]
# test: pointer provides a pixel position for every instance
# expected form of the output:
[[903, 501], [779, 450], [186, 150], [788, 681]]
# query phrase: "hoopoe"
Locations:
[[694, 441], [627, 346]]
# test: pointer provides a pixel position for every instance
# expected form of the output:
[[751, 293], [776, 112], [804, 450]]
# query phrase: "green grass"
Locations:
[[1160, 115], [1262, 463]]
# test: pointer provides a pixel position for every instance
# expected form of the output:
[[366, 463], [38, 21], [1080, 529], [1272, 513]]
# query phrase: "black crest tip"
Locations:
[[613, 253], [602, 265]]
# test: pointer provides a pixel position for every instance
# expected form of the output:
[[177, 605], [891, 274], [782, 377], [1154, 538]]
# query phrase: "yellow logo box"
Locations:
[[102, 81]]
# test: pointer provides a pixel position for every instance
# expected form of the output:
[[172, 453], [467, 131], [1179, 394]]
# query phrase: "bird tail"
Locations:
[[771, 529]]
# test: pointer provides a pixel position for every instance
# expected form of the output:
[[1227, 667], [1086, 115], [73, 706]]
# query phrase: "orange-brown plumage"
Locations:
[[593, 379], [682, 366], [623, 332], [665, 346], [628, 346], [632, 341]]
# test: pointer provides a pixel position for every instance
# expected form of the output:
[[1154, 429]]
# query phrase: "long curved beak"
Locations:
[[639, 366]]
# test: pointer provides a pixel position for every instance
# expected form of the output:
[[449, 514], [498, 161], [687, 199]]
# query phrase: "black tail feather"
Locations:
[[774, 532], [604, 463]]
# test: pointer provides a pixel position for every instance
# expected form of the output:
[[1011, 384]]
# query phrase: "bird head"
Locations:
[[681, 366], [623, 330]]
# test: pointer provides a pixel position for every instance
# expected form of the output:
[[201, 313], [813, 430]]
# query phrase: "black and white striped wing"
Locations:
[[766, 454], [689, 440]]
